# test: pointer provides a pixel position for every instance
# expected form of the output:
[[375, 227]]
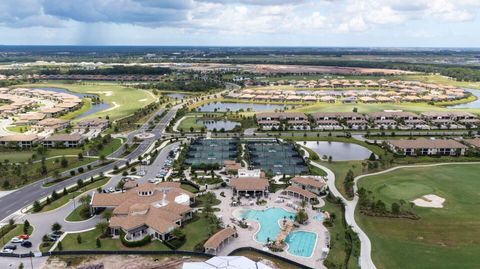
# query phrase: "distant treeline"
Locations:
[[116, 70], [188, 86], [461, 73]]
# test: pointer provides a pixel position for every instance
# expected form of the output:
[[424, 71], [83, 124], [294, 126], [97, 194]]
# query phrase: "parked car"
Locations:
[[12, 247], [24, 236], [26, 244], [6, 250], [16, 240]]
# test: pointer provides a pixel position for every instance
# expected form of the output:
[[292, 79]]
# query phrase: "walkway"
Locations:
[[365, 259]]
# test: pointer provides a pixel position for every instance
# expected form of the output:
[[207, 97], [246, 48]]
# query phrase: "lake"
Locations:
[[178, 96], [225, 107], [218, 125], [338, 150], [474, 104], [95, 107]]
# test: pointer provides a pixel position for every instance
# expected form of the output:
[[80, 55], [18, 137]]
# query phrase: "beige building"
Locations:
[[444, 147], [146, 210]]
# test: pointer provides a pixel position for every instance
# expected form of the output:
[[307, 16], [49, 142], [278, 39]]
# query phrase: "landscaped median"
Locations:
[[61, 198]]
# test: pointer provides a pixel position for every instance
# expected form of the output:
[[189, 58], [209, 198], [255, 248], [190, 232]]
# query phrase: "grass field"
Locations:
[[123, 100], [18, 129], [443, 238]]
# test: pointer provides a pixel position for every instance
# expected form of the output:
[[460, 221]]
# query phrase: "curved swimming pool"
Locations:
[[300, 243], [268, 220]]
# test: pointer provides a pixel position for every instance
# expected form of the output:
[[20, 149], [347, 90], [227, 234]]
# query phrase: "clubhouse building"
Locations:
[[146, 210]]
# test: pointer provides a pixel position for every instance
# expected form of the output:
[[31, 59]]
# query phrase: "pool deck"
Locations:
[[246, 237]]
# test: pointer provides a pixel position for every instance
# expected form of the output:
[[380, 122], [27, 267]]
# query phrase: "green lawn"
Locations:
[[338, 256], [65, 199], [196, 231], [18, 129], [188, 123], [442, 238], [24, 155], [78, 214], [89, 242], [123, 100]]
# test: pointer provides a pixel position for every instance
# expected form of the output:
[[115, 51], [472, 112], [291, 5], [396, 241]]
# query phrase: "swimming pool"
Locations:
[[301, 243], [268, 220], [319, 217]]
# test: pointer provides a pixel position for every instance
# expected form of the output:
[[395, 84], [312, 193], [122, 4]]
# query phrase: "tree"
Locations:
[[395, 208], [36, 206], [59, 246], [26, 226], [102, 226], [85, 200], [98, 243], [372, 157], [79, 239], [64, 162], [80, 156], [107, 214], [301, 216], [56, 227], [178, 233], [20, 266]]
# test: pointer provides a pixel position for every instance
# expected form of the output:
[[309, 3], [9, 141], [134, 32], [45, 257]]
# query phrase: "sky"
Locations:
[[351, 23]]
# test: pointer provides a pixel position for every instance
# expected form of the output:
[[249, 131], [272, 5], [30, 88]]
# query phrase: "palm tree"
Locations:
[[107, 214], [102, 226]]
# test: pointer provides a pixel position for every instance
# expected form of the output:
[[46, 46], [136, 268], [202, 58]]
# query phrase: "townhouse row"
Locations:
[[376, 120]]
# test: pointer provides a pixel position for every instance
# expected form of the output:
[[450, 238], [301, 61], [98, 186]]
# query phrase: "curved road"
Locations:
[[365, 259]]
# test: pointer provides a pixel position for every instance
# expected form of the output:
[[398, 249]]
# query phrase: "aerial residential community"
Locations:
[[239, 134]]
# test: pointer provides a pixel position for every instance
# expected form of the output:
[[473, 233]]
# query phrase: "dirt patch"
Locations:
[[120, 262], [429, 200]]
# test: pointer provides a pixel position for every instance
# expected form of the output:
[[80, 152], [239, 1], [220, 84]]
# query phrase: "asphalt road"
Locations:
[[24, 196]]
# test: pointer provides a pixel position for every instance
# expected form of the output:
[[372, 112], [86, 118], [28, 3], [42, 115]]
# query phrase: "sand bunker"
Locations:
[[107, 93], [143, 100], [429, 200], [115, 106]]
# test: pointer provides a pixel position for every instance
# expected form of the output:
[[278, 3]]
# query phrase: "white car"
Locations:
[[16, 240], [141, 173], [6, 250], [152, 180]]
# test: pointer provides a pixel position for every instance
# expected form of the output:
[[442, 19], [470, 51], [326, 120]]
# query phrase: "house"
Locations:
[[311, 184], [293, 120], [52, 111], [473, 142], [20, 140], [422, 146], [449, 115], [249, 186], [146, 210], [63, 140], [392, 115], [52, 124], [231, 166], [97, 124], [300, 193]]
